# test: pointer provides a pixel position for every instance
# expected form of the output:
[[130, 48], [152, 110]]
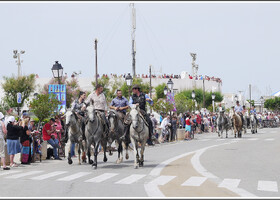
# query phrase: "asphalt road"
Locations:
[[204, 167]]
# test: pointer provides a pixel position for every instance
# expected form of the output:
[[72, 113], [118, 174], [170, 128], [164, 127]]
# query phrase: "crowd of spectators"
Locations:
[[166, 76]]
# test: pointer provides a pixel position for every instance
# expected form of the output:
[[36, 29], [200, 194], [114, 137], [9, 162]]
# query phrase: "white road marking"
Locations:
[[270, 186], [229, 183], [24, 174], [253, 139], [269, 139], [131, 179], [74, 176], [49, 175], [194, 181], [8, 172], [203, 140], [102, 177], [152, 187]]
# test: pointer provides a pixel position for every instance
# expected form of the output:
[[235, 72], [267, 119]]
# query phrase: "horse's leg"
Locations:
[[120, 152], [134, 143], [104, 144], [125, 145], [96, 146], [141, 161], [79, 152], [69, 155], [89, 153]]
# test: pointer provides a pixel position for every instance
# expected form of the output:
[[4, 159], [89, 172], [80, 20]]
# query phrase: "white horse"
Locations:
[[95, 134], [253, 123], [116, 130], [76, 135], [139, 132]]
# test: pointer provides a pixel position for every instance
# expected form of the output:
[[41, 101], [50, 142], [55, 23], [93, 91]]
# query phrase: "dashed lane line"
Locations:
[[24, 174], [102, 177], [74, 176], [226, 183], [131, 179], [48, 175], [269, 186]]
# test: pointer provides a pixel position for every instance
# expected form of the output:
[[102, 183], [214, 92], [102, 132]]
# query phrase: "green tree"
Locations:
[[12, 85], [161, 105], [272, 104], [44, 106], [160, 91], [4, 107]]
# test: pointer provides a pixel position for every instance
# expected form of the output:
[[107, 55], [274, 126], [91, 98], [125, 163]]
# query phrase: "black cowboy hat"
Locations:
[[136, 87]]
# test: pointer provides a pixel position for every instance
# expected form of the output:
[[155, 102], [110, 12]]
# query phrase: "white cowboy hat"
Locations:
[[11, 119]]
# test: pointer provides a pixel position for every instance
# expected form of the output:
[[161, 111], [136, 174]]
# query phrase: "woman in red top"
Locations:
[[188, 127]]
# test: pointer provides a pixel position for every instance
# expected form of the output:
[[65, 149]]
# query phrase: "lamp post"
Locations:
[[128, 80], [57, 71], [165, 90], [261, 104], [170, 87], [193, 95], [235, 98], [18, 61], [213, 98]]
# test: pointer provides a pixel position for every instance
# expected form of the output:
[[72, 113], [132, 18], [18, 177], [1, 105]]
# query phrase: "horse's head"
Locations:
[[112, 118], [90, 113], [68, 117], [134, 113]]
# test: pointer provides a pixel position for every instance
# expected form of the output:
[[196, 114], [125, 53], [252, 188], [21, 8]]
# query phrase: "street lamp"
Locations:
[[193, 95], [261, 104], [18, 61], [165, 90], [213, 98], [128, 80], [57, 71], [170, 85]]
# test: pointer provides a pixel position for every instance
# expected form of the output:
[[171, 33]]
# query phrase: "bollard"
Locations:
[[180, 134], [44, 150]]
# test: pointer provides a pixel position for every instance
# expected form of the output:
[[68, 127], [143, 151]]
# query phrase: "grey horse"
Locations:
[[223, 123], [115, 132], [139, 133], [76, 135], [253, 123], [95, 134]]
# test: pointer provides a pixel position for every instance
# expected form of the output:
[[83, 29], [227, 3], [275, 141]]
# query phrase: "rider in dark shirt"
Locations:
[[77, 108], [140, 98]]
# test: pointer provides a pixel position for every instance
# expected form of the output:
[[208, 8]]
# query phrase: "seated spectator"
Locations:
[[48, 130]]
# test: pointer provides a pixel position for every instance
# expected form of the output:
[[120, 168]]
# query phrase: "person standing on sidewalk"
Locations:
[[3, 134], [13, 145]]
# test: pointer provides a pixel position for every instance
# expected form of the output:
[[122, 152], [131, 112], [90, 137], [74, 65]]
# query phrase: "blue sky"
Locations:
[[236, 41]]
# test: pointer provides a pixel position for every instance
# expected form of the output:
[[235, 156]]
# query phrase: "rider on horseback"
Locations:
[[98, 99], [140, 98], [120, 104], [254, 112], [238, 109], [77, 106]]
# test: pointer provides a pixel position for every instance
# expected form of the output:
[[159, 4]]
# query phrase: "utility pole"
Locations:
[[96, 73], [250, 95], [133, 39], [203, 93], [150, 72], [18, 61]]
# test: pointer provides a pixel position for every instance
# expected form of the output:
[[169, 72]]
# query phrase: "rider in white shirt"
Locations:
[[238, 109]]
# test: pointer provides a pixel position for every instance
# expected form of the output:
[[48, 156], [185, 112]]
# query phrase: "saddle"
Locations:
[[103, 123]]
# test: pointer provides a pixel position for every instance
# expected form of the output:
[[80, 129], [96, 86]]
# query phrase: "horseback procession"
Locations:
[[88, 126]]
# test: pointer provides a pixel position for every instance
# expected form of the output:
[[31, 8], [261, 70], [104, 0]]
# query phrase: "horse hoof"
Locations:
[[70, 162], [135, 166], [127, 157], [110, 154], [105, 159], [118, 161], [94, 166], [90, 162]]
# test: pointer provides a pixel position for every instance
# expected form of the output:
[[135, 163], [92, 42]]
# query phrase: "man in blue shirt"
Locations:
[[119, 103], [238, 109], [254, 112]]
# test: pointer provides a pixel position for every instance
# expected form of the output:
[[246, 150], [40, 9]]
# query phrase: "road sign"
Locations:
[[18, 97], [60, 92]]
